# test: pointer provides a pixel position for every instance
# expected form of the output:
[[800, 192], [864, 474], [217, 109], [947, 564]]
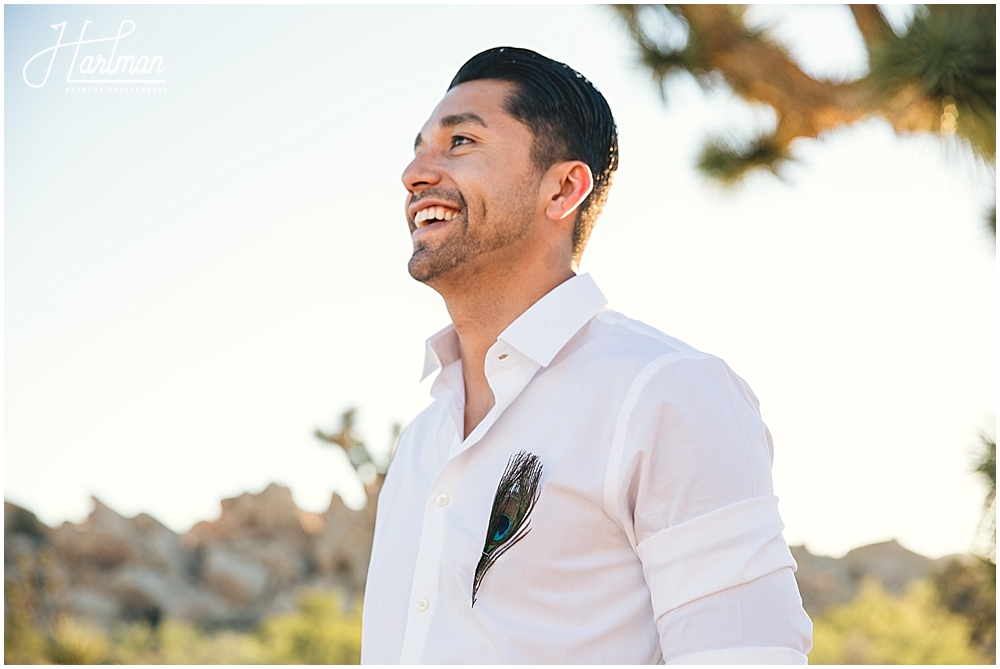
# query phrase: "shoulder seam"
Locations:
[[613, 467], [612, 317]]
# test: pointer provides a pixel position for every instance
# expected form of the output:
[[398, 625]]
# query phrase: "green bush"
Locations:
[[23, 642], [73, 641], [969, 588], [877, 628], [177, 642], [319, 631]]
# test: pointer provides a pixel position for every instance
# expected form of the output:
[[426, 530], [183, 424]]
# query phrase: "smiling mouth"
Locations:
[[432, 215]]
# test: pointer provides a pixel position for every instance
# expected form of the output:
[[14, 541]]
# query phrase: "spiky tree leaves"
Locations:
[[949, 54], [729, 161], [666, 44], [939, 77], [986, 468]]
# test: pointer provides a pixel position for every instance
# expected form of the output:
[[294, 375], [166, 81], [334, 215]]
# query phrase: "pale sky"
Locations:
[[197, 278]]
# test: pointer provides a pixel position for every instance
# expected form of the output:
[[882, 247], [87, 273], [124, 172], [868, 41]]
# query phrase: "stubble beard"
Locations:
[[467, 242]]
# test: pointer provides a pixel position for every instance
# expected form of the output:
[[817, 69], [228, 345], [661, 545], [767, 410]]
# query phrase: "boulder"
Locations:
[[286, 563], [91, 603], [240, 580], [146, 593], [825, 582], [269, 515], [894, 566], [106, 541], [343, 548], [18, 520]]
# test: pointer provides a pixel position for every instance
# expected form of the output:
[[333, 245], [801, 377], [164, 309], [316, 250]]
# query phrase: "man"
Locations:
[[584, 488]]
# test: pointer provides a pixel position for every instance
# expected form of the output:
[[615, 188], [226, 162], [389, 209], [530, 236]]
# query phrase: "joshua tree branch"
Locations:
[[871, 23], [759, 69]]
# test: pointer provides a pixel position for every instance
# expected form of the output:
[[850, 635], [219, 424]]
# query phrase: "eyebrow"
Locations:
[[451, 121]]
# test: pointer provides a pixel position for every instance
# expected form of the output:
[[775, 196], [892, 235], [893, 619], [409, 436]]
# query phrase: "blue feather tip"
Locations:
[[515, 498]]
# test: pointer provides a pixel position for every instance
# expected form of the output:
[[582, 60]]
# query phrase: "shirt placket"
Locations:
[[508, 373], [426, 594]]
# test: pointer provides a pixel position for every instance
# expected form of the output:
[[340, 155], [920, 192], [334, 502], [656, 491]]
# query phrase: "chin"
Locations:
[[420, 273], [425, 269], [429, 268]]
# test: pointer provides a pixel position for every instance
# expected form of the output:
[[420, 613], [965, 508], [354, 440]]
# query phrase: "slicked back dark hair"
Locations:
[[567, 115]]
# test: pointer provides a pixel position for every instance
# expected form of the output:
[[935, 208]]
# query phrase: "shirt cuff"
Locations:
[[744, 656], [715, 551]]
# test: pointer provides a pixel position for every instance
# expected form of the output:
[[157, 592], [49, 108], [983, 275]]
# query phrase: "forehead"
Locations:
[[485, 99]]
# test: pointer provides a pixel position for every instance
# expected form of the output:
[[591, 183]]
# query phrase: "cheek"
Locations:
[[523, 194], [498, 189]]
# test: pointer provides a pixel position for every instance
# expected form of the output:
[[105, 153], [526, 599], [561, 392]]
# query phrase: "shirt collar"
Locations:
[[539, 333], [441, 350]]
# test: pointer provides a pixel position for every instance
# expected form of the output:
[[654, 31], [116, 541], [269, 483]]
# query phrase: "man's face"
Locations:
[[472, 187]]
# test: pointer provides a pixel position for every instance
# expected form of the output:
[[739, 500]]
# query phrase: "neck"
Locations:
[[482, 303], [480, 313]]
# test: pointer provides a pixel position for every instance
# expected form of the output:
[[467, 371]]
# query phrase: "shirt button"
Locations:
[[442, 500], [422, 604]]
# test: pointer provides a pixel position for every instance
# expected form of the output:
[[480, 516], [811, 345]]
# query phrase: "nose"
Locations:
[[423, 171]]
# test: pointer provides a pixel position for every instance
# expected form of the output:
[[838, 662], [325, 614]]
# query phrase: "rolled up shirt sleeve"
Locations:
[[690, 475]]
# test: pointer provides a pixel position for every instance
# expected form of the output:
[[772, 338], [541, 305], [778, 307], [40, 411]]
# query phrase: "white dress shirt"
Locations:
[[655, 537]]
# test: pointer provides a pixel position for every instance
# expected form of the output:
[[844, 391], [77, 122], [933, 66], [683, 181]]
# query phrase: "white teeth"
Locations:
[[438, 213]]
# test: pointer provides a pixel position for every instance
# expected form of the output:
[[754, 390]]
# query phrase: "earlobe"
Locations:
[[575, 183]]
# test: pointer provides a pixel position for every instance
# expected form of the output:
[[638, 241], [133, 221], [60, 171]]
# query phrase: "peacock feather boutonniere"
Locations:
[[516, 496]]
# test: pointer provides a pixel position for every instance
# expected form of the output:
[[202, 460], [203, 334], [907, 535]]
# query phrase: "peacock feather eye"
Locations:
[[502, 526], [515, 498]]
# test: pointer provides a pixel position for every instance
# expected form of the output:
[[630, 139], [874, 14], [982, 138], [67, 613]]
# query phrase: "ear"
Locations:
[[572, 182]]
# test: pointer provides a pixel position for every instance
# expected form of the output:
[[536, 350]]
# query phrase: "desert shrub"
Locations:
[[319, 631], [877, 628], [969, 587], [23, 642], [177, 642], [73, 641]]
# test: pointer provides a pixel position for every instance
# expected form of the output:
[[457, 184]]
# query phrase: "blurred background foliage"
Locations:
[[879, 629], [319, 631], [948, 620], [935, 75]]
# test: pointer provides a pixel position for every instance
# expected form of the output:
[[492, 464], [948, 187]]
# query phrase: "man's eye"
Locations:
[[458, 140]]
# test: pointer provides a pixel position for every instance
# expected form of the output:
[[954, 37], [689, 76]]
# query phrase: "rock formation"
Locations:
[[825, 581], [250, 562], [263, 550]]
